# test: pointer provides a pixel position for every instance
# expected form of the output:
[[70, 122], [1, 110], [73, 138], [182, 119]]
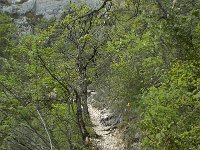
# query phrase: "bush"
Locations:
[[171, 117]]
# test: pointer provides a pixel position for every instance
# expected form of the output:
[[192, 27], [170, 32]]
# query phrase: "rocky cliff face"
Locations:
[[21, 10], [47, 8]]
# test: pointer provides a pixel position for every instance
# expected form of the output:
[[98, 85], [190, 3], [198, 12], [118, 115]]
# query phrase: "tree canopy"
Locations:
[[144, 54]]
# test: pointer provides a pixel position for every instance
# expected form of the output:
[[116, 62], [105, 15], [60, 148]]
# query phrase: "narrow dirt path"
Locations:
[[109, 139]]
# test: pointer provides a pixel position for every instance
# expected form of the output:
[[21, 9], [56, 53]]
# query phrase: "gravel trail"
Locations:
[[109, 139]]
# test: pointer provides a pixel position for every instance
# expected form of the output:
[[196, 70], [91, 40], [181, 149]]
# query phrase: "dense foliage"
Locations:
[[143, 54], [155, 73]]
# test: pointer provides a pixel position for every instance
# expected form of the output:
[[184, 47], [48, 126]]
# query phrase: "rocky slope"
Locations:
[[46, 8], [105, 127], [22, 10]]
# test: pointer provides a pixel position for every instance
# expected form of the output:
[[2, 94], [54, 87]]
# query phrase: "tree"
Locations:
[[171, 118], [147, 39], [46, 76], [6, 32]]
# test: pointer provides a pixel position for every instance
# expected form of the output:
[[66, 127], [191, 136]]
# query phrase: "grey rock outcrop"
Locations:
[[109, 119], [21, 10], [47, 8]]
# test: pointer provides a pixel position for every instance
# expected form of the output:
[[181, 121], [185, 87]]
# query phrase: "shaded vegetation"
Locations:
[[143, 54]]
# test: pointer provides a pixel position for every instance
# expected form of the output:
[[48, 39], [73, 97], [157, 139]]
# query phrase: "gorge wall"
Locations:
[[22, 10]]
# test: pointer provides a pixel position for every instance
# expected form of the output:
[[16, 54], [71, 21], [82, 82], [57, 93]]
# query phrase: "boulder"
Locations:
[[109, 119]]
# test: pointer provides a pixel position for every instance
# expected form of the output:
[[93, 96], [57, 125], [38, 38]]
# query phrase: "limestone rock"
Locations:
[[22, 10], [47, 8], [19, 9], [109, 119]]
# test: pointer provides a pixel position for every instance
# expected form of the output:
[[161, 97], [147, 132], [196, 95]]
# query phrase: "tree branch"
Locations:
[[45, 127], [165, 13], [94, 11], [53, 75]]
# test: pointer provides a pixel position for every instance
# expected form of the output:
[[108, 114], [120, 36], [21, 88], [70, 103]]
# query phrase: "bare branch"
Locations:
[[91, 13], [45, 127], [165, 13], [52, 74], [173, 4], [92, 56]]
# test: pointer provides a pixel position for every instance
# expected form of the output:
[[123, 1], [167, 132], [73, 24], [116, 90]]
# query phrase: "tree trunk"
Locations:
[[80, 121], [83, 82], [83, 90]]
